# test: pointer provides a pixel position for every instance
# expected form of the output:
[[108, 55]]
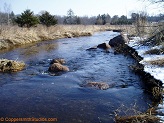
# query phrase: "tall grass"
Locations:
[[14, 36]]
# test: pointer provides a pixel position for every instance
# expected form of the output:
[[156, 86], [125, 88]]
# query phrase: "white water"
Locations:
[[154, 70]]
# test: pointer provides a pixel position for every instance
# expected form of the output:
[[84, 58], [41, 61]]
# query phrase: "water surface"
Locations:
[[33, 92]]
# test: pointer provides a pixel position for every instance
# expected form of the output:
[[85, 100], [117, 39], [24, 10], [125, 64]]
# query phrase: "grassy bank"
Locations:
[[15, 36]]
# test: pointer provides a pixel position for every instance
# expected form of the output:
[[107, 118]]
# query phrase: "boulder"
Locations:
[[117, 41], [57, 67], [104, 46], [98, 85], [60, 61], [11, 65]]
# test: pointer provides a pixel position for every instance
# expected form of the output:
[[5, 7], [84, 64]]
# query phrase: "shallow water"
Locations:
[[33, 92]]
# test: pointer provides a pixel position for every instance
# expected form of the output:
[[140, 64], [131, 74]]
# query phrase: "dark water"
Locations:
[[35, 93]]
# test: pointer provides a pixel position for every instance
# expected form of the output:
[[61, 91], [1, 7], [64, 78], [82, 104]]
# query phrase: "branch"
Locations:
[[156, 1]]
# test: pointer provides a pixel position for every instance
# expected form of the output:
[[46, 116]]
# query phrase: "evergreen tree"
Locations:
[[122, 20], [27, 19], [114, 19], [77, 20], [108, 19], [47, 19], [70, 19], [99, 20], [103, 19]]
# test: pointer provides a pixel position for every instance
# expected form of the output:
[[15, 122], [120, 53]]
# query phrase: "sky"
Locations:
[[81, 7]]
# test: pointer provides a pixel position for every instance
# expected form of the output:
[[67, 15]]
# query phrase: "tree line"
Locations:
[[28, 19]]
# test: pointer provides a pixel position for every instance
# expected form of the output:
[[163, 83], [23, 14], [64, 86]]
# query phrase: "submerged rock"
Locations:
[[60, 61], [57, 67], [11, 65], [98, 85]]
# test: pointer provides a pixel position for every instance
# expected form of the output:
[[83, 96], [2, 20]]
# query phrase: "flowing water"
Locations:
[[34, 92]]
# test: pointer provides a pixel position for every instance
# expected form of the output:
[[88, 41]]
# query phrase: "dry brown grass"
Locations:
[[128, 29], [159, 62], [143, 118], [132, 115], [11, 65], [15, 36]]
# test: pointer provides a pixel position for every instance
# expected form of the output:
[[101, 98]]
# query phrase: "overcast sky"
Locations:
[[81, 7]]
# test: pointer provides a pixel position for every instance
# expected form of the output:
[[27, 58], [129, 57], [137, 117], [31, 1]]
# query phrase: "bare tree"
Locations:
[[160, 3], [140, 20], [156, 1]]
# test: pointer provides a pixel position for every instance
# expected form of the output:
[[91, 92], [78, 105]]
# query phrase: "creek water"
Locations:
[[34, 92]]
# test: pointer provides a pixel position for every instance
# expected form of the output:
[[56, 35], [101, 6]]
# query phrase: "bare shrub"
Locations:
[[155, 51], [132, 115]]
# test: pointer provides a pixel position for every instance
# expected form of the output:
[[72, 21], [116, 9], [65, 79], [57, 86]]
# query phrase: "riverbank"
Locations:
[[152, 64], [33, 88], [11, 36], [150, 72]]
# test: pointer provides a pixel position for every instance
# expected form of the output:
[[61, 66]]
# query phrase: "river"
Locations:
[[34, 92]]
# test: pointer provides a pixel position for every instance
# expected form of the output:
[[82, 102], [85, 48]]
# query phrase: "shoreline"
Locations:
[[126, 49], [152, 85], [13, 36]]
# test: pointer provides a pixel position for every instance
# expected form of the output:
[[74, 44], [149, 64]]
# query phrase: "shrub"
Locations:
[[47, 19], [27, 19]]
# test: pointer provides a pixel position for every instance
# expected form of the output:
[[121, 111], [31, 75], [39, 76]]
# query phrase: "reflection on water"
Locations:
[[33, 92], [34, 50]]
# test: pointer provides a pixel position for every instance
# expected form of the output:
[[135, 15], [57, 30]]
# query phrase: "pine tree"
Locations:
[[47, 19], [77, 20], [70, 19], [27, 19]]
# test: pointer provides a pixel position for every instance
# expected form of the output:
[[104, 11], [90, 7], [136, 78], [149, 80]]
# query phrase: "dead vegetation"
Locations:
[[11, 65], [132, 115], [159, 62], [142, 118], [155, 51], [15, 36]]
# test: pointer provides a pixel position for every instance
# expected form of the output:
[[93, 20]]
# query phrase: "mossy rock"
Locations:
[[11, 65]]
